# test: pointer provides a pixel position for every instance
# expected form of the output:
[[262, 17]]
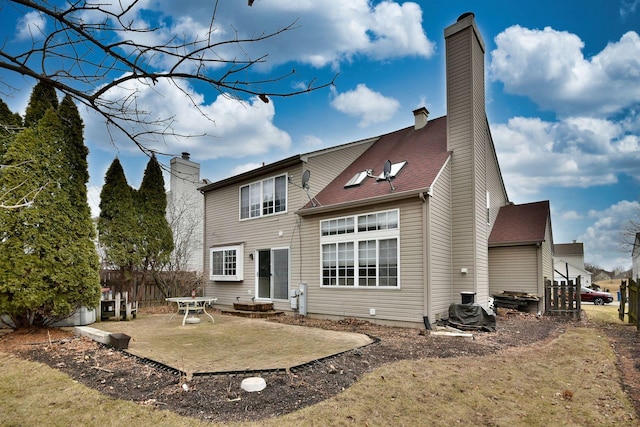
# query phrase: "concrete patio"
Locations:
[[231, 344]]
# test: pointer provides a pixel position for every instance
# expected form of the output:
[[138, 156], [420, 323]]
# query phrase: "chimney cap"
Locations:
[[464, 15], [185, 155]]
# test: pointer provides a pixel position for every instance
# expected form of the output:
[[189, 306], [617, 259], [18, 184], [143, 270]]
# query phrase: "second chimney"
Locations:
[[421, 116]]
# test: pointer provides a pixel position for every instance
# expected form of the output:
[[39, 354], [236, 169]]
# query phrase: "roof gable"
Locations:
[[520, 224], [424, 150]]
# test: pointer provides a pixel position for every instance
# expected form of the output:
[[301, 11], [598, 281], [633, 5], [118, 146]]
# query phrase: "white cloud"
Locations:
[[312, 142], [93, 195], [326, 32], [246, 167], [575, 152], [223, 128], [570, 215], [603, 237], [549, 67], [31, 26], [369, 106], [628, 7]]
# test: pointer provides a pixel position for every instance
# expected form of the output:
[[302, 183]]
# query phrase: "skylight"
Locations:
[[357, 179], [395, 168]]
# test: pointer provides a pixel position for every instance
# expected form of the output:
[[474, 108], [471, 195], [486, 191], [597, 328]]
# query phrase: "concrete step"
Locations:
[[252, 314]]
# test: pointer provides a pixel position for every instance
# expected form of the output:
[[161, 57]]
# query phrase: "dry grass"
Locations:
[[34, 394], [570, 381], [603, 313], [231, 344], [612, 285]]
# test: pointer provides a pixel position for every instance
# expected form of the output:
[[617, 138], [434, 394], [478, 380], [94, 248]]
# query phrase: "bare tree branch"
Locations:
[[8, 198], [91, 49]]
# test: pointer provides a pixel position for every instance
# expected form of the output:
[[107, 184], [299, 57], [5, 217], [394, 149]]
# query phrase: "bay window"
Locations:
[[225, 263]]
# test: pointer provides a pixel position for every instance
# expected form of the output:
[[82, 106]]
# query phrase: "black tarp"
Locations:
[[471, 317]]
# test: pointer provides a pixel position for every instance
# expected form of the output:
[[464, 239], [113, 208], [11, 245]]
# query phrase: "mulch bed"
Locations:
[[219, 397]]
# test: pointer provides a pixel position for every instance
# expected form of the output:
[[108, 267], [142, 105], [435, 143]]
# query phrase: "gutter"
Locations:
[[516, 243], [361, 203], [254, 173]]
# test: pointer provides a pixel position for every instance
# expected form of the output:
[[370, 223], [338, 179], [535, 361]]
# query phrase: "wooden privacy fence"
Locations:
[[633, 301], [562, 298], [145, 290]]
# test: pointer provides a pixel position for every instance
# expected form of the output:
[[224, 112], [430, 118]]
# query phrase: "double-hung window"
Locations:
[[225, 263], [266, 197], [361, 250]]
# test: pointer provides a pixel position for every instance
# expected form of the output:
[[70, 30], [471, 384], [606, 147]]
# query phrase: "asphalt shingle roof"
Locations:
[[424, 150], [518, 224]]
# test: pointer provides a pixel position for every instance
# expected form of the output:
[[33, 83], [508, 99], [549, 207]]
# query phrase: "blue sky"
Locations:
[[562, 91]]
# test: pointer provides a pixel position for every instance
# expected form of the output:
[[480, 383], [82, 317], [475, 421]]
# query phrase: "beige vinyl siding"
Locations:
[[223, 225], [481, 285], [547, 256], [467, 137], [224, 228], [404, 304], [513, 268], [326, 165], [439, 247], [460, 141]]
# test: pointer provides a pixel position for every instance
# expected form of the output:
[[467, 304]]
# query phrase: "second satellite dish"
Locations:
[[305, 179], [387, 173]]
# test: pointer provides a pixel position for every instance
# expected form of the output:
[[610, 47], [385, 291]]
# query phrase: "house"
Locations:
[[568, 263], [393, 229], [185, 212]]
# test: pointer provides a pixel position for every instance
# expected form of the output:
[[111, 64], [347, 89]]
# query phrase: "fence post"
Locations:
[[623, 300], [547, 297], [578, 297], [637, 286]]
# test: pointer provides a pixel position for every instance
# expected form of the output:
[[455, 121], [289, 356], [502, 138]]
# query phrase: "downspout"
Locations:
[[427, 305], [205, 265], [540, 285]]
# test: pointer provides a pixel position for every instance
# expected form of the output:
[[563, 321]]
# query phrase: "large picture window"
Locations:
[[225, 263], [266, 197], [361, 251]]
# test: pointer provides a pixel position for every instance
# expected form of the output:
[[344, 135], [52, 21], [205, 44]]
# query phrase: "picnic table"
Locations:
[[195, 305]]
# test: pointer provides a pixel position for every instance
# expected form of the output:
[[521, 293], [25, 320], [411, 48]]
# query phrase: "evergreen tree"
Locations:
[[43, 97], [74, 183], [76, 152], [7, 117], [10, 124], [48, 264], [151, 206], [118, 229]]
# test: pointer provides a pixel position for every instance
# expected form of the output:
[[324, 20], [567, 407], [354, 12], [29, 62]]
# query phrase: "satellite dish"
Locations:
[[387, 170], [387, 173], [305, 179]]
